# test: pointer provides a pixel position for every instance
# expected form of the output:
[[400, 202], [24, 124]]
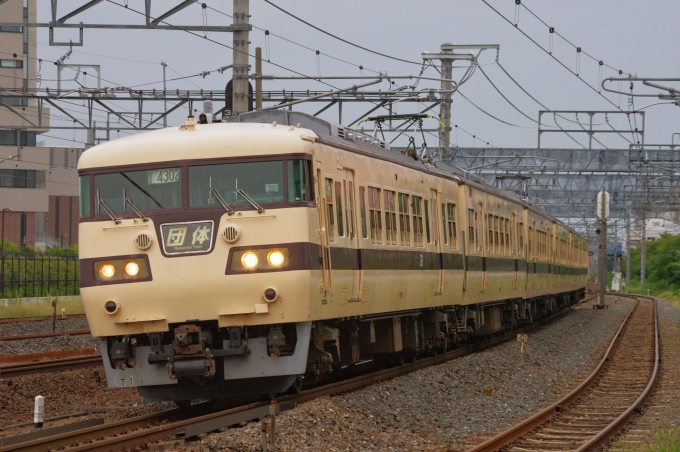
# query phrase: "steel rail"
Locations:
[[521, 429], [79, 362], [32, 357], [101, 438], [38, 319], [44, 335]]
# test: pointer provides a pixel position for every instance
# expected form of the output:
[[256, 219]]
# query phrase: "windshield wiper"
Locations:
[[250, 200], [127, 201], [107, 209], [220, 199]]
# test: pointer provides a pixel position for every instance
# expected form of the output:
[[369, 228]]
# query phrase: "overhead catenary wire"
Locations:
[[341, 39]]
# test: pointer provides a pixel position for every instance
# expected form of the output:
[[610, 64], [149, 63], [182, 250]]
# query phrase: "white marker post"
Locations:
[[39, 412]]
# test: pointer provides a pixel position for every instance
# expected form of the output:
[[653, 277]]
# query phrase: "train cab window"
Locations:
[[404, 220], [261, 181], [84, 182], [451, 223], [338, 200], [362, 207], [330, 212], [416, 210], [427, 222], [298, 181], [375, 215], [147, 190], [471, 228]]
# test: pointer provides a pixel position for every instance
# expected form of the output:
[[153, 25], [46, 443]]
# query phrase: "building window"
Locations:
[[9, 137], [17, 178], [23, 230], [12, 63], [11, 29]]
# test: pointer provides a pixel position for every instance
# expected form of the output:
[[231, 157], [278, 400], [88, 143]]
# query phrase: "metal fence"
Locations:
[[26, 274]]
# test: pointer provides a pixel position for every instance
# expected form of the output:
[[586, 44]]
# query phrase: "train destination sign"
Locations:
[[184, 238]]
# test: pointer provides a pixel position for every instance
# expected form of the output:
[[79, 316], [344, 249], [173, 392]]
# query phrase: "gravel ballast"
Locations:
[[450, 406]]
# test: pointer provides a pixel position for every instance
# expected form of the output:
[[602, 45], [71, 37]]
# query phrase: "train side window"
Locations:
[[471, 228], [427, 221], [489, 227], [520, 237], [362, 207], [404, 220], [531, 252], [390, 219], [508, 243], [446, 238], [350, 209], [416, 209], [330, 212], [501, 234], [451, 220], [338, 200], [375, 215]]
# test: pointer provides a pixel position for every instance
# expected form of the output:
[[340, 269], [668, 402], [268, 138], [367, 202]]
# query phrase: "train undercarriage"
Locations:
[[198, 360]]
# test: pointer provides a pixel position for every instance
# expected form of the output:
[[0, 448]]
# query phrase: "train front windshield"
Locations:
[[148, 190]]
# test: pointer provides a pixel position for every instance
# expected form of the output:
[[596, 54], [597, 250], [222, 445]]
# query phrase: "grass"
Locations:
[[17, 309], [665, 440]]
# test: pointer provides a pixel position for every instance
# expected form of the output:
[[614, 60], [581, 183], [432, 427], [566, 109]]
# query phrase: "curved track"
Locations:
[[141, 430], [590, 415]]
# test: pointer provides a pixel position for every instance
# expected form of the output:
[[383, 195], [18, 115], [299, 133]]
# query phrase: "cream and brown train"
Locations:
[[235, 258]]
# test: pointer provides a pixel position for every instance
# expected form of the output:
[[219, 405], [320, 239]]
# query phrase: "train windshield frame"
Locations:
[[274, 181]]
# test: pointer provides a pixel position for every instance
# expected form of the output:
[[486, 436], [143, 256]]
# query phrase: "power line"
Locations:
[[341, 39], [269, 33]]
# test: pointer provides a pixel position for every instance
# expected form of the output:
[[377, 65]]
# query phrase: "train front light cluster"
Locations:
[[260, 259], [121, 269]]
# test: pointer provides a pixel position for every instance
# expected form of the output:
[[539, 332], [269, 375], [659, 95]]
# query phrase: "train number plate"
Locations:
[[184, 238]]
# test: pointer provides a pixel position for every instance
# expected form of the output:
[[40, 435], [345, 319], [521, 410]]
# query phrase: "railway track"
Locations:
[[39, 319], [141, 430], [588, 417], [52, 365], [44, 335]]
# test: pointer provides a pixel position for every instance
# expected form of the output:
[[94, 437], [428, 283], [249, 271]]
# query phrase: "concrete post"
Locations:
[[602, 256], [241, 67], [445, 106], [258, 82], [643, 248], [628, 252], [165, 105]]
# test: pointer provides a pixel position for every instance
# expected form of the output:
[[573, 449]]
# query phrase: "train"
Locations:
[[245, 256]]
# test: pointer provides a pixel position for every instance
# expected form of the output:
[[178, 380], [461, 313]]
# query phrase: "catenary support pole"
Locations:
[[258, 82], [165, 105], [241, 68], [628, 251], [445, 106], [643, 247], [602, 256]]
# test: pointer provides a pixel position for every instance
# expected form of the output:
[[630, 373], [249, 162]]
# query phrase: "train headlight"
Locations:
[[131, 268], [249, 260], [107, 270], [275, 258]]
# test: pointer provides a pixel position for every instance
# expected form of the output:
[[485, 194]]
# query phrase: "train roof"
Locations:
[[174, 144]]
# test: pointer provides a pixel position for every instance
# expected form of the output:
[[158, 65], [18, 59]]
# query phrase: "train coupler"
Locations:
[[194, 366]]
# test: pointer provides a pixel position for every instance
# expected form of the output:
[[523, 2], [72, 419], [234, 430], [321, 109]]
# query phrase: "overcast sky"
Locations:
[[637, 37]]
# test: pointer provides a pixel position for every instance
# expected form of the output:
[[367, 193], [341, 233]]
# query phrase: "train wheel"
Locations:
[[297, 385], [400, 358]]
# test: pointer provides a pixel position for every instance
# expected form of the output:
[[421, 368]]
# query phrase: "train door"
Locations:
[[324, 200], [436, 215], [355, 267]]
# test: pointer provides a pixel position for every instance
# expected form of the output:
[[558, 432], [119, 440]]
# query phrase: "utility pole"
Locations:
[[628, 252], [643, 247], [447, 57], [258, 82], [602, 214], [241, 68], [165, 104]]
